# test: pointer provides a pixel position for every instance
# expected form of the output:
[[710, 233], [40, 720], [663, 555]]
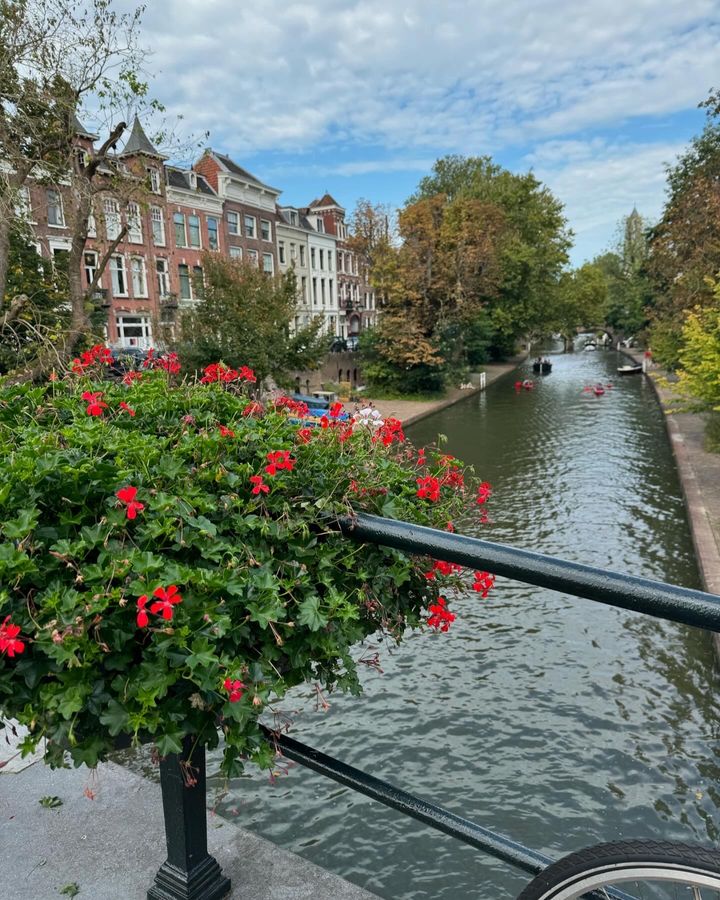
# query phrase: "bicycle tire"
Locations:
[[606, 865]]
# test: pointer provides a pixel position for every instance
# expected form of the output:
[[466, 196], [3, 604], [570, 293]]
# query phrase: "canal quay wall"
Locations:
[[699, 473]]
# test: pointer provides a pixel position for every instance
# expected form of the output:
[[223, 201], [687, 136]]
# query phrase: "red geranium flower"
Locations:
[[226, 432], [304, 435], [335, 410], [142, 616], [259, 486], [483, 583], [127, 495], [234, 689], [166, 599], [123, 405], [9, 642], [279, 459], [324, 422], [253, 409], [95, 405], [483, 492], [440, 617], [428, 488]]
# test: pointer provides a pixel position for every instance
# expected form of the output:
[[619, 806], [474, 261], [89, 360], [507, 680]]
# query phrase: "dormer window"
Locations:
[[154, 177], [293, 218], [192, 178], [319, 225]]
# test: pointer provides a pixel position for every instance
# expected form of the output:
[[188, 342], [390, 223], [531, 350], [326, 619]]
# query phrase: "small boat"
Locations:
[[546, 367], [629, 370], [591, 345], [598, 390], [537, 367]]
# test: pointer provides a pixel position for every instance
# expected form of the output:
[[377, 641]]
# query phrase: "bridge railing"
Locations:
[[191, 874]]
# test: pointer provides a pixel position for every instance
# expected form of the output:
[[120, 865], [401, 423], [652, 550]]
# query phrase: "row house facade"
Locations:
[[214, 207]]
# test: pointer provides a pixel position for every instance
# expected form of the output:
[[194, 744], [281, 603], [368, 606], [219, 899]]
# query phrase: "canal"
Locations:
[[553, 720]]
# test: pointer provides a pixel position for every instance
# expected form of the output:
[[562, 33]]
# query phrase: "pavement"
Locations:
[[100, 836]]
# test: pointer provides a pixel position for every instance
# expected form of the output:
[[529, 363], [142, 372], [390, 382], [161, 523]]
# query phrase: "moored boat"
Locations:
[[546, 367], [630, 370]]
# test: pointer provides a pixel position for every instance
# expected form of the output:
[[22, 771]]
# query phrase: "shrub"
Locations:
[[170, 563]]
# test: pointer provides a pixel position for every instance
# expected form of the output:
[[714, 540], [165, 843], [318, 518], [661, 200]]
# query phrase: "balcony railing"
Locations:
[[191, 874]]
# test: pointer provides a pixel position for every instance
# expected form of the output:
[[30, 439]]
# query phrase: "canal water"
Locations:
[[550, 719]]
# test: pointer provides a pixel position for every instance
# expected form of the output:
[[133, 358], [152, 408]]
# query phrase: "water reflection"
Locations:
[[552, 719]]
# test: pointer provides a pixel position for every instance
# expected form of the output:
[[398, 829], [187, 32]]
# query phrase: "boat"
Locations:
[[598, 390], [630, 370], [590, 345], [542, 367]]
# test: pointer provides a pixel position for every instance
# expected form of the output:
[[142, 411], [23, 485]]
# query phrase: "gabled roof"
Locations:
[[302, 221], [180, 178], [325, 201], [138, 143], [232, 168]]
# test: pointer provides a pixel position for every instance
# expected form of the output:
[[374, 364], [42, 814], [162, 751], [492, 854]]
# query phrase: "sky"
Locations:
[[359, 97]]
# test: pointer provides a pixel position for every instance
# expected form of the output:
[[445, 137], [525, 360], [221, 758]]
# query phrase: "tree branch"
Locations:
[[104, 261], [16, 307]]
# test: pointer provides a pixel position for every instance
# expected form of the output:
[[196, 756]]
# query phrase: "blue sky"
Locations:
[[359, 98]]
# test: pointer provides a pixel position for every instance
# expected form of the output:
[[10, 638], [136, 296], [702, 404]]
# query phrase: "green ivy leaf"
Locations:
[[115, 718], [310, 614]]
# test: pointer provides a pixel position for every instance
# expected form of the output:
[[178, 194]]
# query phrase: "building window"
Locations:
[[111, 209], [312, 257], [185, 286], [322, 259], [314, 291], [281, 252], [320, 226], [330, 260], [139, 279], [23, 208], [268, 263], [233, 223], [322, 290], [134, 224], [330, 291], [163, 277], [91, 225], [154, 177], [253, 257], [293, 217], [55, 209], [118, 277], [303, 282], [194, 231], [213, 226], [158, 226], [134, 331], [265, 230], [236, 252], [250, 226], [341, 261], [198, 282], [91, 265], [302, 255], [293, 252], [180, 233]]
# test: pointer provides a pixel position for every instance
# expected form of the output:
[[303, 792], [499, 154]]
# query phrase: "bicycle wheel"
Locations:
[[641, 870]]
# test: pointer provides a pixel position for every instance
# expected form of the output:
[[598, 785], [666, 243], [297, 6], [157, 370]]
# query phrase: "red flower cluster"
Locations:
[[166, 598], [292, 406], [127, 495], [226, 432], [253, 409], [234, 689], [219, 372], [88, 358], [169, 362], [304, 435], [428, 488], [259, 485], [9, 642], [95, 405], [131, 376], [442, 568], [440, 616], [422, 459], [484, 582], [335, 410], [454, 477], [483, 493], [389, 431], [279, 459], [130, 412]]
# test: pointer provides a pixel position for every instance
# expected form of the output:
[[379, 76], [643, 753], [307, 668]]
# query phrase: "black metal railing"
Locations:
[[191, 874]]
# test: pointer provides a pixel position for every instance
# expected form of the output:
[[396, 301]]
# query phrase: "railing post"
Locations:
[[189, 873]]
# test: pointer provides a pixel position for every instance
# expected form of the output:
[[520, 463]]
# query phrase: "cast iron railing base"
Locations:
[[205, 882]]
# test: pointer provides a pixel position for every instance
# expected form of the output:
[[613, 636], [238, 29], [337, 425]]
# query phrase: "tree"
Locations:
[[699, 371], [42, 316], [57, 57], [244, 319], [581, 298], [372, 237]]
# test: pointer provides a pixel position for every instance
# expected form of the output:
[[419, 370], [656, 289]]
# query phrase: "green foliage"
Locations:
[[699, 371], [45, 314], [272, 594], [244, 319], [580, 301]]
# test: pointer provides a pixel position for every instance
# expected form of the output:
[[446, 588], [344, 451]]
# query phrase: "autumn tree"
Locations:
[[580, 300], [699, 371]]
